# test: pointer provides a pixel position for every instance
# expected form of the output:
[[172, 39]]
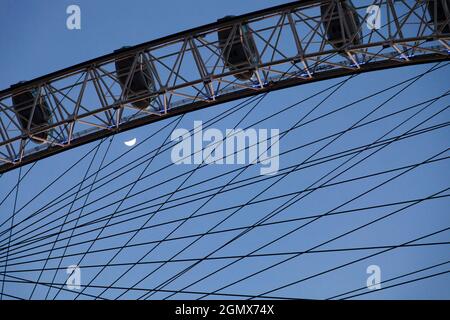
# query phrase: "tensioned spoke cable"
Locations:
[[326, 90], [340, 236], [312, 221], [65, 219], [278, 239], [61, 175], [376, 93], [382, 146], [187, 205], [50, 285], [47, 187], [272, 223], [159, 266], [239, 173], [23, 280], [356, 260], [15, 186], [10, 233], [340, 296], [162, 290], [81, 212], [48, 205], [228, 208], [167, 199], [343, 154], [272, 242], [215, 119], [123, 199], [172, 164], [237, 228], [254, 202], [10, 295], [316, 152], [401, 283], [54, 201], [256, 255], [151, 216], [194, 212]]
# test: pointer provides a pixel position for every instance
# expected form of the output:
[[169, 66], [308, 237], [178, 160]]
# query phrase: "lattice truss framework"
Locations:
[[283, 46]]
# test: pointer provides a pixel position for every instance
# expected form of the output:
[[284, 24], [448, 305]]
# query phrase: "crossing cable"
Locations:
[[8, 246], [21, 280], [219, 210], [219, 294], [15, 186], [273, 241], [415, 201], [340, 296], [80, 214], [256, 255], [10, 233], [146, 189], [123, 199], [78, 184], [249, 165], [369, 35], [366, 145], [148, 175], [270, 215], [168, 198], [299, 199], [106, 183], [240, 186], [161, 206], [302, 226], [65, 219], [402, 283], [50, 285], [77, 162], [238, 174], [48, 186], [316, 162], [344, 106], [280, 111], [356, 260]]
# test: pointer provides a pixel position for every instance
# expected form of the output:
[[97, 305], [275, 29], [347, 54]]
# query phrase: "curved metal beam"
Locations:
[[88, 101]]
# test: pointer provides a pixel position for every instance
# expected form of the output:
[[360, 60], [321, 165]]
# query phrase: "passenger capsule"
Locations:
[[23, 107], [142, 81], [442, 7], [240, 52], [344, 30]]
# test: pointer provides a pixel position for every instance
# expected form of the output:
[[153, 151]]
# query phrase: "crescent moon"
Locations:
[[131, 142]]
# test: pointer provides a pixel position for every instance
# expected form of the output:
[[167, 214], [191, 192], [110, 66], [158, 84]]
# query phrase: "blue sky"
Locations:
[[35, 41]]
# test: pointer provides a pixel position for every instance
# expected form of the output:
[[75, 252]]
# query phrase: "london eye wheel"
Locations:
[[294, 152]]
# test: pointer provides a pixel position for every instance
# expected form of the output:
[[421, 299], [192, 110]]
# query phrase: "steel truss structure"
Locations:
[[291, 45]]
